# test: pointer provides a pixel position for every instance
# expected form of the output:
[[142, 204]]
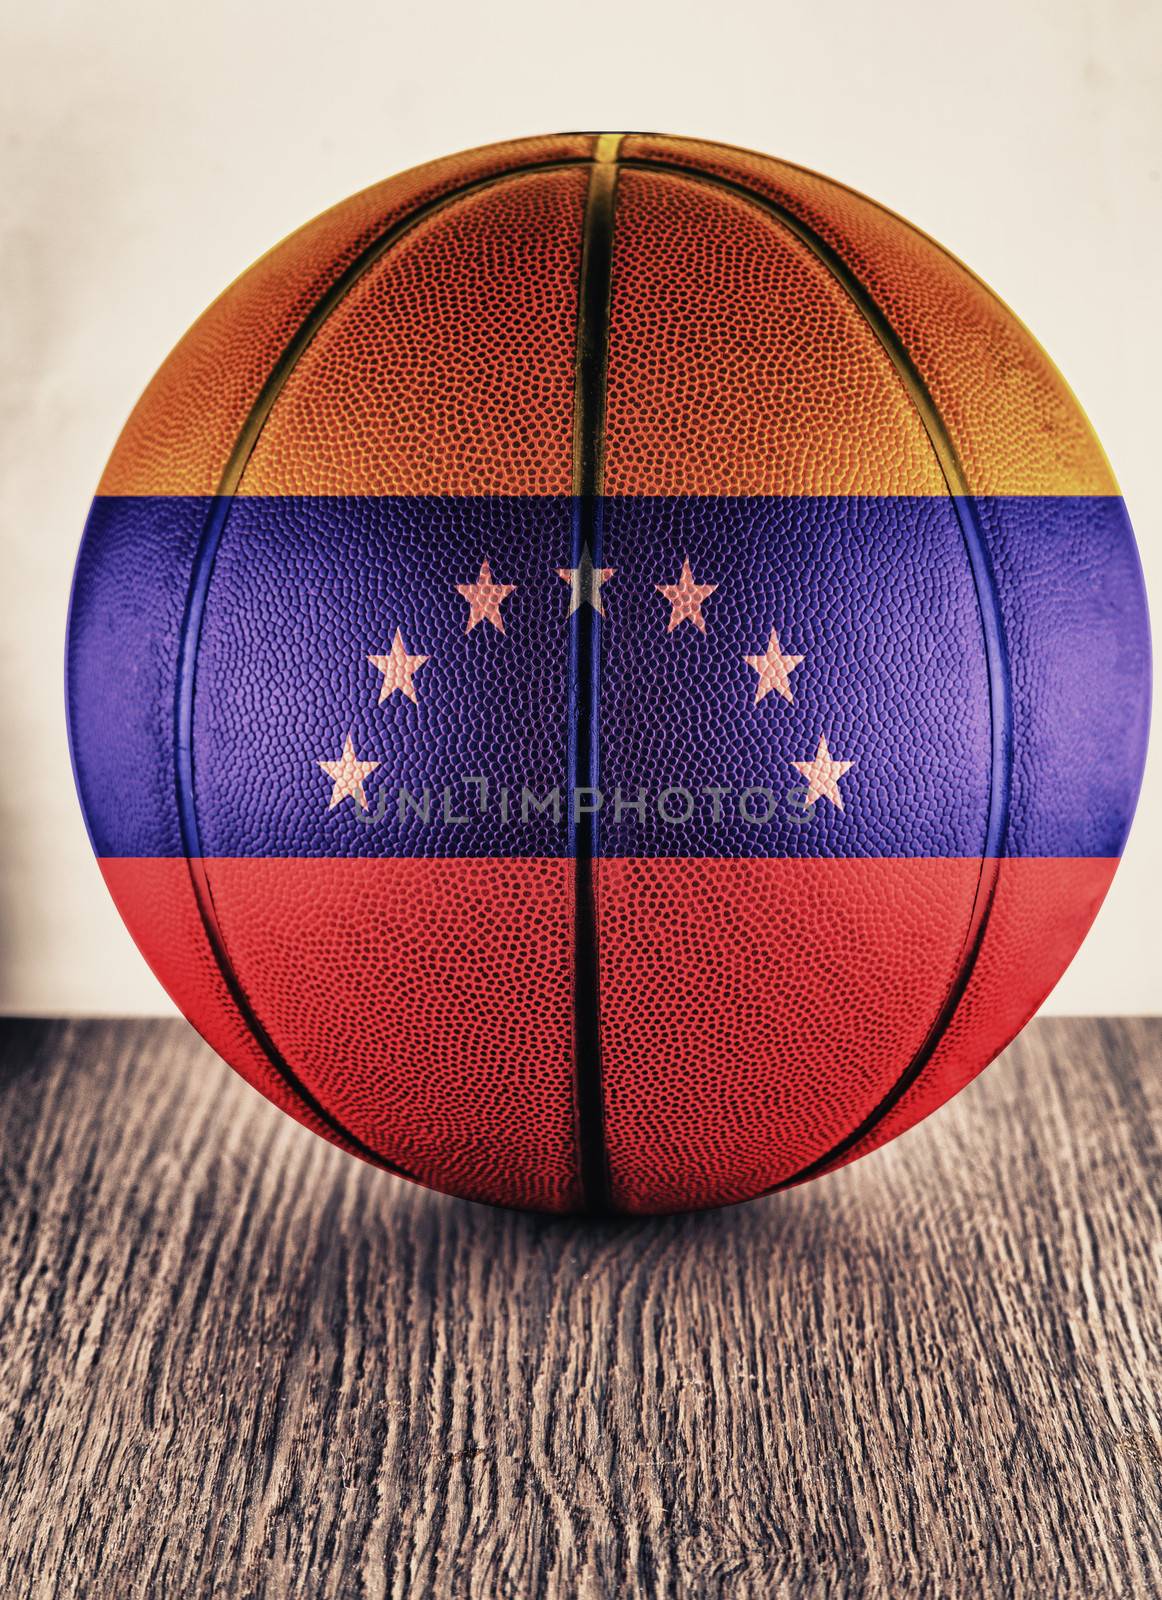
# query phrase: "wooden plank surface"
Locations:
[[235, 1362]]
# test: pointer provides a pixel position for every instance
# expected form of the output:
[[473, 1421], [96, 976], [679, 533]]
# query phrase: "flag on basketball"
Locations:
[[608, 673]]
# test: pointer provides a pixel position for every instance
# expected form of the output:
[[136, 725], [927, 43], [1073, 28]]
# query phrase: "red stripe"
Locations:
[[752, 1013], [426, 1004]]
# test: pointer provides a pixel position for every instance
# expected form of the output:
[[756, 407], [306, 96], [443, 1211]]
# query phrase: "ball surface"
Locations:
[[608, 672]]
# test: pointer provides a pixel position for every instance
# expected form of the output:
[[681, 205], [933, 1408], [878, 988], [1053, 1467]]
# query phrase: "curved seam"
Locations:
[[992, 626], [584, 742], [950, 256], [884, 210], [189, 637]]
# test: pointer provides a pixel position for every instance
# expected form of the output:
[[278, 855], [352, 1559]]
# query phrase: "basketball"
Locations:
[[608, 673]]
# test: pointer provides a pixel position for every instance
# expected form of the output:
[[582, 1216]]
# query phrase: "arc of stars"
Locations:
[[686, 598], [484, 599], [774, 670], [823, 773], [398, 670], [347, 775], [585, 582]]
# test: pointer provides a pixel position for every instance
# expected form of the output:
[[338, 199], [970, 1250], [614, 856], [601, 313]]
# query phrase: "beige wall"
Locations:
[[151, 152]]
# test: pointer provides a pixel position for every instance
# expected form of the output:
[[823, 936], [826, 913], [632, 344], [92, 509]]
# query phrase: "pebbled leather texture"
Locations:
[[185, 425], [1015, 422], [449, 370], [387, 598], [733, 351]]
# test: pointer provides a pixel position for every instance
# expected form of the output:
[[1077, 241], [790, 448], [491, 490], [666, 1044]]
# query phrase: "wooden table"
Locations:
[[235, 1362]]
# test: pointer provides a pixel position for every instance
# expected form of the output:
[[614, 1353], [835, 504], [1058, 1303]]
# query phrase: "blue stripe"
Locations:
[[217, 515], [880, 596]]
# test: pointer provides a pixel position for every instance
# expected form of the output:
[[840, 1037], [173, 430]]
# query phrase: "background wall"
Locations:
[[152, 152]]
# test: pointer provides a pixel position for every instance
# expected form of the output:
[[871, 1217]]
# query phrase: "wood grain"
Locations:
[[235, 1362]]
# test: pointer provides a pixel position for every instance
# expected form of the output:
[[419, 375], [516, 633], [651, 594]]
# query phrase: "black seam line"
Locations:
[[885, 211], [190, 635], [590, 374], [996, 653]]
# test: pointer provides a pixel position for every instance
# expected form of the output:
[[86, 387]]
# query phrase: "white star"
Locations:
[[774, 669], [398, 669], [484, 598], [347, 775], [585, 581], [686, 598], [823, 775]]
